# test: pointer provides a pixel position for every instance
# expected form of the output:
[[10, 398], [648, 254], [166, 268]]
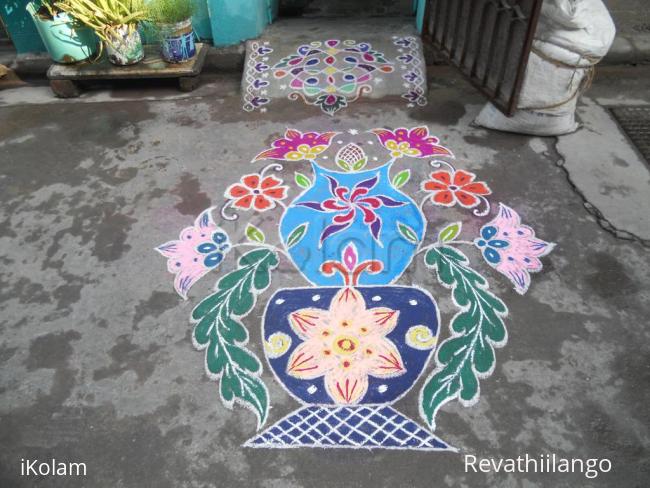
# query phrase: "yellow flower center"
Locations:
[[345, 344]]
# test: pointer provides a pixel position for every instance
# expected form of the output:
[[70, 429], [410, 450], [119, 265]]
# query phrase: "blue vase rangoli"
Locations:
[[355, 341]]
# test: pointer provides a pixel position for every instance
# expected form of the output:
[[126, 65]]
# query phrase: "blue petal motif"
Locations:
[[211, 260], [491, 255], [206, 247], [219, 237], [498, 244], [488, 232]]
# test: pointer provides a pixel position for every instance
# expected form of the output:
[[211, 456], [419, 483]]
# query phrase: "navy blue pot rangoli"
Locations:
[[337, 346]]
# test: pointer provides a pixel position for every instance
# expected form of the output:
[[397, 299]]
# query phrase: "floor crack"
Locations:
[[601, 220]]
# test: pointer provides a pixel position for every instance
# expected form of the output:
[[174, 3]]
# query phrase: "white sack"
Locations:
[[573, 35]]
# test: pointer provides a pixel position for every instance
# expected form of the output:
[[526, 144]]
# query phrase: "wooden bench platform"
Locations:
[[65, 78]]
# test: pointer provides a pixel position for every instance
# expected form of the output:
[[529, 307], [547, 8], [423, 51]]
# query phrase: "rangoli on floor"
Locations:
[[333, 73], [352, 341]]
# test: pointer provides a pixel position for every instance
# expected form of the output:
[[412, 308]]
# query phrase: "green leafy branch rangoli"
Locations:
[[476, 329], [221, 333]]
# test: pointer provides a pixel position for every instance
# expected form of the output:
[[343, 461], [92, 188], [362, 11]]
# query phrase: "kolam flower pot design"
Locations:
[[354, 342], [345, 346]]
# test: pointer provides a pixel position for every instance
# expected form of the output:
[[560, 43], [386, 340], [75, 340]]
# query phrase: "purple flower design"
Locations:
[[348, 203]]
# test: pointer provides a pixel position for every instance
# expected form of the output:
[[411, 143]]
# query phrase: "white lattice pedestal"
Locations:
[[360, 427]]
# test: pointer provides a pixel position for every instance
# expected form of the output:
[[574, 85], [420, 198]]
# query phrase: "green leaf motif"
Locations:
[[254, 234], [343, 165], [450, 232], [360, 164], [302, 181], [476, 330], [297, 234], [220, 332], [401, 178], [408, 233]]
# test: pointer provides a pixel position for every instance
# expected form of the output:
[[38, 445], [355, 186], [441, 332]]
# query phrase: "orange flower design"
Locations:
[[345, 344], [451, 187], [256, 192]]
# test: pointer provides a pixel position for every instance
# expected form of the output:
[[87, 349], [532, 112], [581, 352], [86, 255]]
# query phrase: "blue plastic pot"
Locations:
[[234, 21], [177, 42]]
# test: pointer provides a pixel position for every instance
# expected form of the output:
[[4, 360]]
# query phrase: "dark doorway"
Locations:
[[346, 8]]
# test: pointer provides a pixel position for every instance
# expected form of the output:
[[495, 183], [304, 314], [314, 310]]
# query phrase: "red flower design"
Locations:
[[257, 192], [449, 187]]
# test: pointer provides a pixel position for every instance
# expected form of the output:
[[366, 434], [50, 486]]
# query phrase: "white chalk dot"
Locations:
[[339, 142], [315, 298], [375, 158], [376, 298], [325, 157], [371, 142], [413, 302], [279, 301], [312, 389], [382, 388]]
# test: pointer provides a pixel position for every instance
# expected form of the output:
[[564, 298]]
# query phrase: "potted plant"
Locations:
[[115, 22], [66, 40], [173, 21]]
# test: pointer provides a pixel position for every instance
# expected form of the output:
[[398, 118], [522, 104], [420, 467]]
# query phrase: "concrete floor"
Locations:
[[96, 357]]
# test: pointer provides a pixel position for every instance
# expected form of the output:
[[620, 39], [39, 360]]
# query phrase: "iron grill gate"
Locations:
[[488, 40]]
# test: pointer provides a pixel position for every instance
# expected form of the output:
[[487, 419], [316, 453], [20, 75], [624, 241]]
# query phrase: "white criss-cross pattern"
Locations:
[[363, 427]]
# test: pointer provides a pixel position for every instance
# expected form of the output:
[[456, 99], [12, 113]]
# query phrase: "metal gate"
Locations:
[[488, 40]]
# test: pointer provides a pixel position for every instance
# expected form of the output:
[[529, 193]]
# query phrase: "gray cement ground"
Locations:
[[97, 362]]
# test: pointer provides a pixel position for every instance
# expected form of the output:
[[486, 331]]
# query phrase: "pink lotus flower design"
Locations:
[[512, 248], [296, 146], [345, 344], [416, 142], [198, 250], [347, 203]]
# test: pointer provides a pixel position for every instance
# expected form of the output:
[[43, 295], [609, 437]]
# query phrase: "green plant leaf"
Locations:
[[297, 234], [302, 180], [220, 332], [476, 330], [343, 165], [450, 232], [401, 178], [254, 234], [408, 233]]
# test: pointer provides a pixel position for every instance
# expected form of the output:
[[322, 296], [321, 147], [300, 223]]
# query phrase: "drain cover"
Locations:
[[635, 121]]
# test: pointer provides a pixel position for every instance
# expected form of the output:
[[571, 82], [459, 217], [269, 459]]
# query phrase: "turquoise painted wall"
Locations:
[[20, 26], [234, 21]]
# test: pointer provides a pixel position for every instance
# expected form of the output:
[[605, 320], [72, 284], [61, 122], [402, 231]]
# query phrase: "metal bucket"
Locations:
[[65, 41]]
